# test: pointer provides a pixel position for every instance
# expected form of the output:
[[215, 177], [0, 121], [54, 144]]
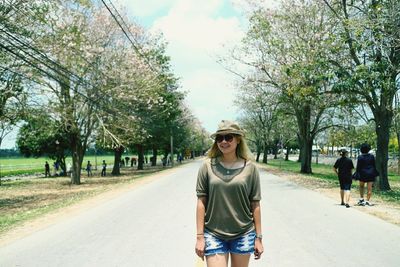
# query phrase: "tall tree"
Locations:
[[289, 46], [259, 102], [370, 31]]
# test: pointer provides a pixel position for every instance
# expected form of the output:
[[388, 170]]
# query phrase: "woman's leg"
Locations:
[[347, 196], [369, 187], [217, 260], [342, 196], [362, 189], [240, 260]]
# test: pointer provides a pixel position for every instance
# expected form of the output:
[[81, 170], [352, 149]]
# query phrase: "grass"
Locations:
[[27, 166], [325, 172], [26, 199]]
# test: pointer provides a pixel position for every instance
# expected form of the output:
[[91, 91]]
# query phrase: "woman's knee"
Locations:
[[217, 260]]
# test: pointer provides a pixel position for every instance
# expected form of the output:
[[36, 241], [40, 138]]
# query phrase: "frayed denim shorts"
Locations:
[[241, 245]]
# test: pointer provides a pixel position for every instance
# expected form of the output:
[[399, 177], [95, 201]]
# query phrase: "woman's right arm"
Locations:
[[200, 215]]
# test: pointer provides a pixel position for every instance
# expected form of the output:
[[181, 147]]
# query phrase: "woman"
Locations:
[[343, 168], [367, 173], [228, 214]]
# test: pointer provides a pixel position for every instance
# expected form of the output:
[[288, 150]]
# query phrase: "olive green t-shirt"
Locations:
[[229, 195]]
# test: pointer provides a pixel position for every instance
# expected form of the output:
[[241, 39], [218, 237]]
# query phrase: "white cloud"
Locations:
[[196, 25], [211, 96], [196, 33]]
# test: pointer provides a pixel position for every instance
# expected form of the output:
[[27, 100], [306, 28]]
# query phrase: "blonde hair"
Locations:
[[242, 150]]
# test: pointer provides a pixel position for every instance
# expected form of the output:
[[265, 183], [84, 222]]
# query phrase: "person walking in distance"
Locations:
[[103, 168], [47, 169], [367, 173], [343, 168], [228, 212], [89, 168]]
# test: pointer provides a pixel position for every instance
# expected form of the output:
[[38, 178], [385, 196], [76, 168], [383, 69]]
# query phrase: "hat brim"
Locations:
[[238, 132]]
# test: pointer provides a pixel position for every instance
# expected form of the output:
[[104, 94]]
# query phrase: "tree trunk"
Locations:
[[287, 154], [258, 155], [76, 169], [398, 152], [299, 142], [77, 158], [276, 149], [265, 156], [154, 159], [305, 160], [305, 137], [117, 160], [140, 150], [63, 165], [382, 153]]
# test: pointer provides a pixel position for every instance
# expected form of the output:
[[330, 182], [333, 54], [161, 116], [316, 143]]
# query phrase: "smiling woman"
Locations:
[[228, 215]]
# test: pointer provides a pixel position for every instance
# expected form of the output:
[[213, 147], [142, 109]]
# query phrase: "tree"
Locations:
[[289, 46], [259, 103], [370, 31], [42, 136]]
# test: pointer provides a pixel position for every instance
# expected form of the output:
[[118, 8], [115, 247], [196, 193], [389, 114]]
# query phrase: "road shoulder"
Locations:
[[387, 211]]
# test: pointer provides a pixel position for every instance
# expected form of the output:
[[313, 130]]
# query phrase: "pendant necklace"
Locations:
[[228, 168]]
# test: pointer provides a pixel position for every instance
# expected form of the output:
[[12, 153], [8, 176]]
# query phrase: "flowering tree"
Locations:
[[289, 48], [370, 65]]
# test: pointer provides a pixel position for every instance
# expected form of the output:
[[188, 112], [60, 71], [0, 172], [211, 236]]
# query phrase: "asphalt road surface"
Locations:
[[154, 225]]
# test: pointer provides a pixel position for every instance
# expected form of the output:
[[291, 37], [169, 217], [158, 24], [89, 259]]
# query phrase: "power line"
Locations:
[[44, 59], [34, 58], [50, 75], [46, 72], [136, 48], [91, 64]]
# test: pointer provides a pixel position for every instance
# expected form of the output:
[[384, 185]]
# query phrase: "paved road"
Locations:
[[154, 225]]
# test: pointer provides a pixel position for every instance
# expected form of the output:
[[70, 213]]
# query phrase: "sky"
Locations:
[[198, 33]]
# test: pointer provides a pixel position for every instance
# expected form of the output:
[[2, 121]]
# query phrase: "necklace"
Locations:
[[227, 167]]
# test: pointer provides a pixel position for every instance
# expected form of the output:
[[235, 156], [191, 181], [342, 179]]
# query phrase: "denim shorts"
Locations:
[[241, 245]]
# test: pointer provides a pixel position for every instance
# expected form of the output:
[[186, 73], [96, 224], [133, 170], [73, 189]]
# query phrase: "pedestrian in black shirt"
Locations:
[[46, 169], [343, 168], [367, 173], [104, 168]]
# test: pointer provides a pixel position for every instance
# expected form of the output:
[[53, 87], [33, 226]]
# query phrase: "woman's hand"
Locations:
[[200, 246], [258, 249]]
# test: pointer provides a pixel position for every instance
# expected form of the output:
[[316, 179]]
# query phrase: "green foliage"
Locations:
[[42, 136]]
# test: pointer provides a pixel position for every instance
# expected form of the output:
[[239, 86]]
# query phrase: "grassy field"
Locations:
[[26, 199], [26, 166], [325, 172]]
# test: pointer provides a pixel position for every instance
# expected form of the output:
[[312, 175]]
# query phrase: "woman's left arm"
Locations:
[[258, 246]]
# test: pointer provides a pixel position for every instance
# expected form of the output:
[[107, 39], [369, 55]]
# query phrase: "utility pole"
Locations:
[[95, 157], [172, 149]]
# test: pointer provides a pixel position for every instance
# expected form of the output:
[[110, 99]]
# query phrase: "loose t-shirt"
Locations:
[[229, 195], [344, 166], [366, 167]]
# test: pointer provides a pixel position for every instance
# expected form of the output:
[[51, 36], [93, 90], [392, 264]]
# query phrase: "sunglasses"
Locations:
[[228, 138]]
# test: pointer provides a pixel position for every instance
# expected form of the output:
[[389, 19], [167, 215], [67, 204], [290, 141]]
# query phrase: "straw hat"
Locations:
[[226, 127]]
